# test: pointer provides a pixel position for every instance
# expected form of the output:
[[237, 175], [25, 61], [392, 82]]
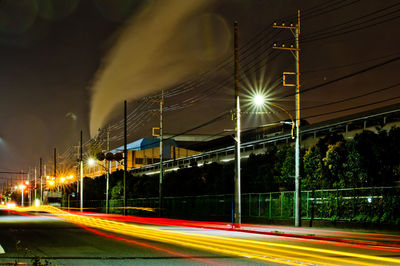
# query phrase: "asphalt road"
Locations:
[[48, 238], [26, 236]]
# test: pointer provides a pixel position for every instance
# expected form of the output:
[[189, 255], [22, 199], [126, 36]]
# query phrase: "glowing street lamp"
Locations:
[[92, 162], [22, 187], [259, 100], [51, 183]]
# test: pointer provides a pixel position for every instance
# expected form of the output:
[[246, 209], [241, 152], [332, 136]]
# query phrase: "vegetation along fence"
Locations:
[[373, 205]]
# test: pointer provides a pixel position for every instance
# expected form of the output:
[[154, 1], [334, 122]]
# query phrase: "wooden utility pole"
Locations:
[[161, 155], [295, 29], [81, 172], [41, 180], [125, 155]]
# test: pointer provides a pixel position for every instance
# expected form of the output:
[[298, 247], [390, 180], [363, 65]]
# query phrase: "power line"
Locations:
[[352, 98], [346, 76], [349, 65], [352, 108], [305, 40], [345, 25]]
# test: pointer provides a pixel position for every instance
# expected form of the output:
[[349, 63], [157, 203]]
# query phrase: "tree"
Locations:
[[116, 191], [313, 172], [335, 164], [286, 162], [258, 173], [393, 154], [367, 145]]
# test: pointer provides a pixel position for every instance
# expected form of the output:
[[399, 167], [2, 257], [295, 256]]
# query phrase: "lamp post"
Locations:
[[22, 187], [237, 215], [81, 171]]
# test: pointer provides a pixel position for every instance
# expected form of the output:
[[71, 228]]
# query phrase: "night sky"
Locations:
[[69, 65]]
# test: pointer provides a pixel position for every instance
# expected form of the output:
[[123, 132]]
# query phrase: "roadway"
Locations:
[[96, 239], [24, 237]]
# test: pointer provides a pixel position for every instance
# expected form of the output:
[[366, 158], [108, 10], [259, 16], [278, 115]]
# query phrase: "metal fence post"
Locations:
[[270, 205], [307, 200], [322, 204], [249, 198]]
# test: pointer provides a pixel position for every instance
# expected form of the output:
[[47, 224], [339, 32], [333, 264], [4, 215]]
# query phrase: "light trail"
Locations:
[[174, 253], [342, 242], [289, 254]]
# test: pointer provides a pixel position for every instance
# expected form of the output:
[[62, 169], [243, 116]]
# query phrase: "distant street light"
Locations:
[[22, 187], [91, 162]]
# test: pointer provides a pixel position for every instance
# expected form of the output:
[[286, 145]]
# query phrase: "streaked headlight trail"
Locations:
[[272, 252]]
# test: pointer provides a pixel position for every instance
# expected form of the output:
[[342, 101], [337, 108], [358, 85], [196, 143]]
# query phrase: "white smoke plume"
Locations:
[[160, 47]]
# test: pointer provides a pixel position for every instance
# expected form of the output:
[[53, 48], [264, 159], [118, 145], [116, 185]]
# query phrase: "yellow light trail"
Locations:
[[288, 254]]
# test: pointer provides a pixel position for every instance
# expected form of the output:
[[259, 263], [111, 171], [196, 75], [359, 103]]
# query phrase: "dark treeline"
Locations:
[[369, 159]]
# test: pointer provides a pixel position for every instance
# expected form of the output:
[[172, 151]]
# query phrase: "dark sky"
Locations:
[[54, 53]]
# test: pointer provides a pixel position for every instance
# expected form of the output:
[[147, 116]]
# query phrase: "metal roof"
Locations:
[[144, 144]]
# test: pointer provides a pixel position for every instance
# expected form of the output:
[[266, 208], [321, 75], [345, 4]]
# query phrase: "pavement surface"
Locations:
[[36, 238]]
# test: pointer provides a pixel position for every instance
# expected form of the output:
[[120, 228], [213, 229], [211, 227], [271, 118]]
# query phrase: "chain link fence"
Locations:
[[376, 205]]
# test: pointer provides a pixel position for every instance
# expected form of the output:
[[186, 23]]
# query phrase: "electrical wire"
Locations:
[[349, 65], [353, 107], [392, 60], [352, 98]]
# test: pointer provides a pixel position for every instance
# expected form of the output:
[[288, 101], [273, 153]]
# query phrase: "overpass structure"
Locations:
[[374, 120]]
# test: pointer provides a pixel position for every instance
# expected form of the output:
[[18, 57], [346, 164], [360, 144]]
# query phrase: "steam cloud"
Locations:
[[161, 47]]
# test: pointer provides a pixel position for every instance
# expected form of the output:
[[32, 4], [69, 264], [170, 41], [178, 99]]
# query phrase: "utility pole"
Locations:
[[55, 169], [45, 172], [296, 53], [237, 206], [160, 134], [41, 180], [22, 195], [125, 155], [35, 182], [161, 155], [108, 169], [29, 191], [81, 168]]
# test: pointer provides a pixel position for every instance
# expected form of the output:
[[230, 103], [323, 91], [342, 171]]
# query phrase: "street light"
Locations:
[[22, 187], [92, 162], [259, 100]]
